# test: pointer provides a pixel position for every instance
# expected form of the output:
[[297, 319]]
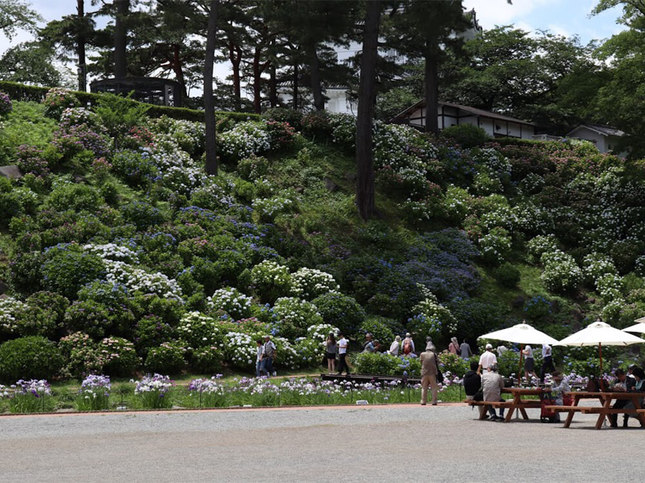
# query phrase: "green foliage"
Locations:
[[466, 135], [340, 310], [77, 197], [453, 363], [381, 329], [31, 357], [68, 269], [507, 275], [377, 363], [118, 114], [168, 358]]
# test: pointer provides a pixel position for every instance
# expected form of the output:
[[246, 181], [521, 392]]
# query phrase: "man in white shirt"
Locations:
[[487, 359], [342, 354]]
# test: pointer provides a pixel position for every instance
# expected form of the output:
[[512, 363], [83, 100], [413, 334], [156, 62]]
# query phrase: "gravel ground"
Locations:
[[377, 443]]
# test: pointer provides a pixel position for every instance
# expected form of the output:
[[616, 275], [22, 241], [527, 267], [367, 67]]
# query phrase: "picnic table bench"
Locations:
[[605, 409], [519, 402]]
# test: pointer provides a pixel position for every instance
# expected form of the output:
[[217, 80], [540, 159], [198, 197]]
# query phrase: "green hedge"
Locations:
[[22, 92]]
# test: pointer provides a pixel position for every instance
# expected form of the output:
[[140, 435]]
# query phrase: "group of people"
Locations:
[[266, 352], [632, 381]]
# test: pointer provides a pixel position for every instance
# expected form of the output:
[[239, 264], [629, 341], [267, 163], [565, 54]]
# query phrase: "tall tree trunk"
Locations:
[[178, 68], [273, 86], [316, 87], [295, 94], [257, 81], [365, 120], [431, 92], [209, 101], [80, 46], [235, 56], [120, 38]]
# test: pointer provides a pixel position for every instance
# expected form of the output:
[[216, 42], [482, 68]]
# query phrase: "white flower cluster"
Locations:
[[287, 355], [156, 383], [595, 265], [309, 283], [456, 201], [531, 218], [245, 139], [268, 273], [231, 301], [495, 244], [541, 244], [183, 179], [610, 286], [35, 387], [561, 272], [240, 350], [295, 311], [138, 280], [320, 332], [268, 208], [9, 307], [198, 329], [216, 194], [4, 392], [79, 115], [188, 135], [494, 161], [112, 251], [207, 386]]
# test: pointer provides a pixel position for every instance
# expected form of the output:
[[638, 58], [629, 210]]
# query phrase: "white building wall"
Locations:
[[587, 134]]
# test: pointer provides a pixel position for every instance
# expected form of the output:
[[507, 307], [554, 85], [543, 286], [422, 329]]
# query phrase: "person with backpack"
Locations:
[[268, 356], [454, 347], [408, 345]]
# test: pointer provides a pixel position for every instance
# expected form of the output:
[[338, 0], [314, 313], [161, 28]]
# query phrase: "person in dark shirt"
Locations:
[[472, 380]]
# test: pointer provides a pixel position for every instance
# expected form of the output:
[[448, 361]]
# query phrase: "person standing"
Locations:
[[268, 356], [529, 363], [547, 361], [330, 353], [487, 359], [464, 350], [429, 370], [342, 355], [258, 358], [453, 347]]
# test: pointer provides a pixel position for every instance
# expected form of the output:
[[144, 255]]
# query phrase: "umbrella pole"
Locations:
[[600, 354], [519, 372]]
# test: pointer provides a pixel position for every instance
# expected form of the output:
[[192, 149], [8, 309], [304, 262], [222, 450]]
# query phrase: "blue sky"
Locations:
[[567, 17]]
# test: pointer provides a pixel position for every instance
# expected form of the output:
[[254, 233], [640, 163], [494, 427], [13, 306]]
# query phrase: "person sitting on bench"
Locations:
[[492, 385]]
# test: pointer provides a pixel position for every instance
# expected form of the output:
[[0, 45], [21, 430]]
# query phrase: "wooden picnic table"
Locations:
[[605, 408], [521, 402]]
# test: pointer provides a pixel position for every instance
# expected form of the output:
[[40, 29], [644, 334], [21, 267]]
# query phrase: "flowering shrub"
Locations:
[[270, 280], [380, 328], [31, 159], [378, 363], [30, 396], [94, 394], [452, 363], [537, 307], [187, 135], [240, 350], [281, 134], [340, 311], [495, 245], [319, 332], [595, 265], [609, 285], [9, 308], [431, 319], [168, 357], [137, 170], [232, 302], [57, 100], [309, 352], [343, 130], [5, 104], [137, 280], [199, 330], [539, 245], [154, 391], [117, 356], [207, 359], [253, 168], [561, 273], [81, 355], [455, 203], [71, 140], [269, 208], [295, 315], [245, 139], [309, 283]]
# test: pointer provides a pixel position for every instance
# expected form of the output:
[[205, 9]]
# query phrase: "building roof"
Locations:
[[472, 110], [599, 129]]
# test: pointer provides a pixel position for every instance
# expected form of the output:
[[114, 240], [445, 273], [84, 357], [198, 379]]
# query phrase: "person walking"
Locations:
[[331, 348], [487, 359], [258, 358], [342, 355], [464, 350], [268, 356], [529, 363], [396, 345], [408, 345], [547, 361], [429, 370]]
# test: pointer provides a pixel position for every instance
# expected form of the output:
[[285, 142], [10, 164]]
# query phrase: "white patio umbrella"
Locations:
[[599, 333], [521, 334], [639, 328]]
